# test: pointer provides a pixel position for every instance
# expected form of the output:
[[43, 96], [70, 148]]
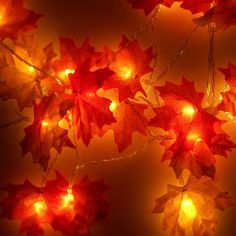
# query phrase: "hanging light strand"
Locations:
[[211, 67]]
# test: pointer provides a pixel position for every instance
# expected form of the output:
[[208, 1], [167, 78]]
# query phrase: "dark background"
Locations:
[[138, 182]]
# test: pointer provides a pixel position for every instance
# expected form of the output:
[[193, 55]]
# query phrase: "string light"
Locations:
[[113, 106], [126, 72], [188, 211], [65, 74], [40, 208], [194, 136], [30, 69], [188, 111], [45, 123], [68, 200]]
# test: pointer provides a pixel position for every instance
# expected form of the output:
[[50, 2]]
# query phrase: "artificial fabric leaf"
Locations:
[[15, 18], [69, 210], [149, 5], [130, 118], [71, 55], [197, 134], [223, 15], [129, 63], [25, 202], [21, 81], [228, 103], [88, 205], [193, 206], [45, 133], [89, 109]]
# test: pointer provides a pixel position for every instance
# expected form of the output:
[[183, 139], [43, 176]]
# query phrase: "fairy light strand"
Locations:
[[211, 66], [179, 54]]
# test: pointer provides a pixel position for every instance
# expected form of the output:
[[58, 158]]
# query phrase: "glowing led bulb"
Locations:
[[40, 207], [126, 72], [194, 136], [188, 111], [64, 74], [113, 106], [67, 201], [45, 123], [188, 211]]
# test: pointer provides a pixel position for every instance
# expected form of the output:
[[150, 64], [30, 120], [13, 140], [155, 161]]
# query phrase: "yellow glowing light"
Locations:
[[194, 136], [64, 74], [126, 72], [188, 111], [188, 211], [68, 200], [30, 69], [45, 123], [40, 207], [113, 106]]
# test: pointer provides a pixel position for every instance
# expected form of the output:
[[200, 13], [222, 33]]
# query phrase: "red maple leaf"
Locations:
[[15, 18], [71, 55], [69, 210], [89, 109], [130, 118], [45, 133], [23, 82], [88, 205], [149, 5], [223, 15], [25, 202], [197, 133], [129, 63], [228, 103], [192, 205]]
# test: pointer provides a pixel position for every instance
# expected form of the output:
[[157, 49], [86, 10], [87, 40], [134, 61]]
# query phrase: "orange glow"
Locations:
[[126, 72], [70, 117], [64, 74], [45, 123], [194, 136], [68, 200], [90, 94], [188, 211], [40, 207], [1, 17], [30, 69], [113, 106], [188, 111]]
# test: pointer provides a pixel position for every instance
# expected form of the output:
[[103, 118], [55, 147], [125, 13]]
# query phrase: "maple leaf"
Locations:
[[228, 103], [89, 109], [129, 119], [223, 15], [21, 81], [192, 206], [15, 18], [149, 5], [45, 133], [197, 134], [71, 55], [69, 210], [85, 205], [25, 202], [129, 63]]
